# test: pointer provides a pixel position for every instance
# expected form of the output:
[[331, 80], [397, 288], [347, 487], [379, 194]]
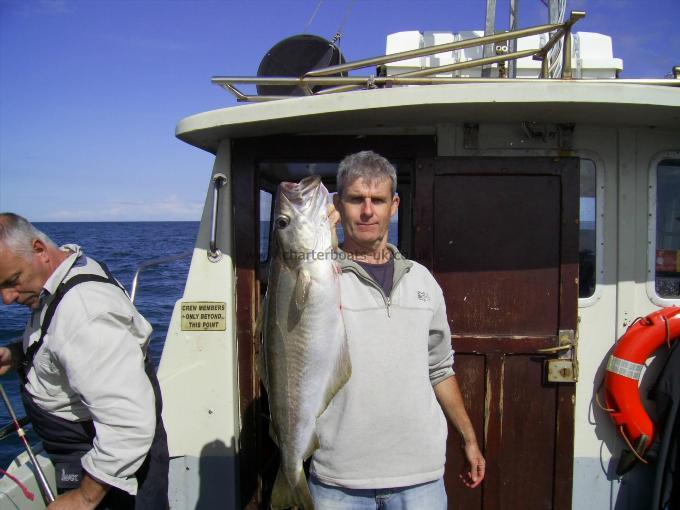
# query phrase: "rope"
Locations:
[[341, 28], [597, 399], [625, 438], [668, 331], [24, 489], [311, 20]]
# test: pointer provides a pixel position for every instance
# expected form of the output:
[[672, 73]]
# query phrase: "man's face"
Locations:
[[22, 278], [366, 209]]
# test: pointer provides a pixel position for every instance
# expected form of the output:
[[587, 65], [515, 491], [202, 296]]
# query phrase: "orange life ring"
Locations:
[[624, 369]]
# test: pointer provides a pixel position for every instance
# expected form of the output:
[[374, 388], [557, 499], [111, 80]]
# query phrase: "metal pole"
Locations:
[[512, 44], [219, 180], [566, 55], [146, 265], [40, 476], [489, 29], [428, 50], [552, 11]]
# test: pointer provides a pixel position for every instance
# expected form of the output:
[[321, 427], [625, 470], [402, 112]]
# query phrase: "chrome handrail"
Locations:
[[388, 81], [219, 180], [433, 50], [154, 262], [325, 76]]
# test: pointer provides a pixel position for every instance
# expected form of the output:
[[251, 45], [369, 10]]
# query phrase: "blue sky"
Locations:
[[91, 91]]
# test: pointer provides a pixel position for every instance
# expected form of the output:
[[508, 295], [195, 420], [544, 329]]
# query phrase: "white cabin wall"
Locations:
[[197, 372], [637, 148], [594, 486]]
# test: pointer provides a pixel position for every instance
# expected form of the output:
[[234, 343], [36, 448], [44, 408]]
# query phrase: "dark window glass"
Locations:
[[265, 217], [587, 232], [667, 263]]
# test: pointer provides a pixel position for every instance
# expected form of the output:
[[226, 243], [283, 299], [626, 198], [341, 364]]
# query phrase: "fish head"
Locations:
[[301, 225]]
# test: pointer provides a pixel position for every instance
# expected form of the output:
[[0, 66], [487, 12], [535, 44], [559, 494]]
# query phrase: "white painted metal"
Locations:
[[198, 373], [21, 468]]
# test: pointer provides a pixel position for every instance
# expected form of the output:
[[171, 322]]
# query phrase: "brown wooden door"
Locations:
[[501, 237]]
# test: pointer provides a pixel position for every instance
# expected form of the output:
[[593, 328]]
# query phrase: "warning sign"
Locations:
[[204, 316]]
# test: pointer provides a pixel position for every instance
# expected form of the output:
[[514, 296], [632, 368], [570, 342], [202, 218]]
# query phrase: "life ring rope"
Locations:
[[633, 450]]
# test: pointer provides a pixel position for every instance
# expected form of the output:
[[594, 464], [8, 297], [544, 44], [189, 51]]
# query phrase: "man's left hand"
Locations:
[[475, 464]]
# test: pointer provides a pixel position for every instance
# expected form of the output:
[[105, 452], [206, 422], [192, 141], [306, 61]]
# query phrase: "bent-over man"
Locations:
[[383, 436], [87, 385]]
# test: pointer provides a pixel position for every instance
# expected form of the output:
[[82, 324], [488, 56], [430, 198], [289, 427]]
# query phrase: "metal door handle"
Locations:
[[556, 349]]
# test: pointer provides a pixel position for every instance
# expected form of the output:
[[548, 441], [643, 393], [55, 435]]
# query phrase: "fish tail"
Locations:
[[285, 496]]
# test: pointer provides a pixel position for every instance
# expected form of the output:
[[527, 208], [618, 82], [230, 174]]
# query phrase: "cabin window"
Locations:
[[265, 220], [667, 248], [587, 231]]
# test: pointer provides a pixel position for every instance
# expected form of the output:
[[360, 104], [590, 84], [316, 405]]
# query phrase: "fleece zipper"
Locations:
[[387, 299]]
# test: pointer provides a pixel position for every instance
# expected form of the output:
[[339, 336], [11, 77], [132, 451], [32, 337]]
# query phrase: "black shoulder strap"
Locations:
[[61, 291]]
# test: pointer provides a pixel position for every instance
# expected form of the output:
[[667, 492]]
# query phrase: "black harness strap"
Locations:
[[61, 291]]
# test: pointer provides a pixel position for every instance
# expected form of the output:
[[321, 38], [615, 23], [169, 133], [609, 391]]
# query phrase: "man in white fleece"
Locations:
[[383, 437]]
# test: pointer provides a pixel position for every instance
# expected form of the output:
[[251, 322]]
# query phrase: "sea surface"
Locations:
[[123, 246]]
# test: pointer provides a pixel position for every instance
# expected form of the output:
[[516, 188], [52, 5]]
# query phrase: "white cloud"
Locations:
[[171, 208], [44, 8]]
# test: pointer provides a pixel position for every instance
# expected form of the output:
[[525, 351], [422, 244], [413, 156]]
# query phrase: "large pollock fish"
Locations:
[[305, 358]]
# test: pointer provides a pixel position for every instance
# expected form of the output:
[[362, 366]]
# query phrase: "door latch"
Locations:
[[564, 368]]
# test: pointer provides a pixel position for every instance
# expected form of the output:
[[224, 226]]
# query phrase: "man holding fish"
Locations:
[[377, 431]]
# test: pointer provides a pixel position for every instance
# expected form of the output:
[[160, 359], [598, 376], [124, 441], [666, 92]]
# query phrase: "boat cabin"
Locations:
[[548, 209]]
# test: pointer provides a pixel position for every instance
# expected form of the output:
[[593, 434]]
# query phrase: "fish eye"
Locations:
[[282, 221]]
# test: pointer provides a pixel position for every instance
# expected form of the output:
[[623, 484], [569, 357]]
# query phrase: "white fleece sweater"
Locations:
[[385, 427]]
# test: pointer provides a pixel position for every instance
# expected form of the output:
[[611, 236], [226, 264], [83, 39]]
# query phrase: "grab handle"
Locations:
[[214, 254]]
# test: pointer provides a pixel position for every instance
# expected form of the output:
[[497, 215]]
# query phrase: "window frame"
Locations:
[[651, 230], [599, 226]]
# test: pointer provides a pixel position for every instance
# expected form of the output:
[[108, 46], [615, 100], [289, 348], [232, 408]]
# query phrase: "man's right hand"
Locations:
[[10, 357], [334, 219]]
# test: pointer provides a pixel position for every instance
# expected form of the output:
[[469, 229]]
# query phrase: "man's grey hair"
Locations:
[[18, 234], [367, 165]]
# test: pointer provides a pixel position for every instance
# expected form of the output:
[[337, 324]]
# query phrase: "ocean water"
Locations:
[[123, 246]]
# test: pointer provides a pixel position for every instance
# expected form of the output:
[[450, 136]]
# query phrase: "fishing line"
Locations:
[[311, 20], [341, 28]]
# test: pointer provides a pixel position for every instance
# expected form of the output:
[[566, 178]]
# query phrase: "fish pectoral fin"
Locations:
[[302, 285], [314, 444], [284, 495]]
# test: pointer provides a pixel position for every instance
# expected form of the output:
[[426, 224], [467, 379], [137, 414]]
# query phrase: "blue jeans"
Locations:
[[425, 496]]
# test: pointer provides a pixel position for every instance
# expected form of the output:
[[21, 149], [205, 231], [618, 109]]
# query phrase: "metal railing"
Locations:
[[150, 263], [327, 76]]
